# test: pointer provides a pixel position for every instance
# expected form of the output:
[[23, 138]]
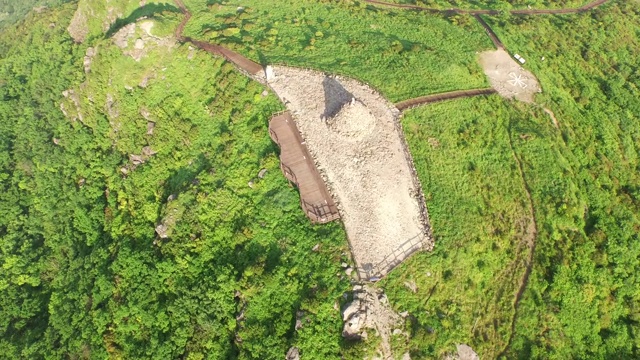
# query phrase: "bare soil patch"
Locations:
[[553, 117], [507, 76], [351, 131]]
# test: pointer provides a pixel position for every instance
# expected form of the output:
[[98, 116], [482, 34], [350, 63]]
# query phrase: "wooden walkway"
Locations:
[[298, 166]]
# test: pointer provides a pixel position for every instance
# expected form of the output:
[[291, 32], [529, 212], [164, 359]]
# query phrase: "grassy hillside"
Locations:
[[91, 163], [84, 273], [479, 213], [403, 54], [583, 178], [493, 4], [12, 11]]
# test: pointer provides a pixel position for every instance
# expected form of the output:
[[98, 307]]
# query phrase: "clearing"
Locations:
[[507, 76], [355, 138]]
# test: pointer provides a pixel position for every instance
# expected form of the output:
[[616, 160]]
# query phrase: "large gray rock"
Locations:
[[293, 354], [465, 352], [354, 316]]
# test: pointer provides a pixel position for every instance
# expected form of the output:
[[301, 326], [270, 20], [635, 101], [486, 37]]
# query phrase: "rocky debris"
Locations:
[[406, 356], [397, 332], [146, 26], [465, 352], [369, 310], [148, 151], [124, 170], [262, 173], [171, 197], [110, 19], [141, 40], [145, 113], [144, 82], [110, 107], [88, 58], [293, 354], [348, 271], [265, 93], [56, 141], [404, 314], [136, 159], [78, 28], [75, 100], [39, 9], [299, 318], [344, 265], [250, 184], [162, 230], [121, 38], [315, 248], [411, 285]]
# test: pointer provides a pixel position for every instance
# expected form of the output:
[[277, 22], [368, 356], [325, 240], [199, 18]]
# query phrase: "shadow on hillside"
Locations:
[[149, 11]]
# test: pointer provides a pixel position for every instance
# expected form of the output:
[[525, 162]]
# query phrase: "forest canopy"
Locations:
[[143, 213]]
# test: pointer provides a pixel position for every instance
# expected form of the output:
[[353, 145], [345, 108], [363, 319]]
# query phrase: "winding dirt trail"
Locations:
[[428, 99], [243, 63], [529, 240]]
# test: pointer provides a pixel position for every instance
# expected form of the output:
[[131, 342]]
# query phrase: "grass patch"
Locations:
[[478, 209], [403, 54]]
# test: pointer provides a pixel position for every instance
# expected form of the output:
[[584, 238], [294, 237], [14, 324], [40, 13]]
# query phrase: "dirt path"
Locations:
[[584, 8], [422, 100], [529, 240], [553, 117], [496, 41], [243, 63]]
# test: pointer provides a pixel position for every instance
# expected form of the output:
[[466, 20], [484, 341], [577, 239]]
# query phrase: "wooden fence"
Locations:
[[374, 272]]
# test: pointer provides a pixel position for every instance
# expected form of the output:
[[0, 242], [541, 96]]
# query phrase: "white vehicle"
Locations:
[[519, 58]]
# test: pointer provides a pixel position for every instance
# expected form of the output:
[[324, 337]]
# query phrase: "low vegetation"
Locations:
[[403, 54], [493, 4], [583, 178], [133, 222], [464, 289], [84, 273]]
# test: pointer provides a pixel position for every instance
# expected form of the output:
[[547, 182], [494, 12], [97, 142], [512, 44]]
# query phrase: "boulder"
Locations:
[[161, 230], [465, 352], [293, 354], [354, 317]]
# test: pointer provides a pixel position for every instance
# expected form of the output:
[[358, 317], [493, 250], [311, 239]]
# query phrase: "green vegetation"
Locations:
[[12, 11], [403, 54], [479, 213], [494, 5], [84, 274], [581, 299]]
